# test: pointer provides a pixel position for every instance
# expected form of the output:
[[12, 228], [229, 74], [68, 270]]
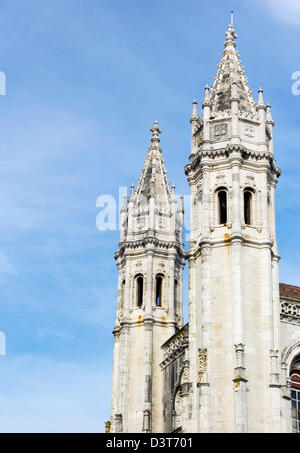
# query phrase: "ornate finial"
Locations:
[[206, 96], [180, 205], [195, 113], [132, 189], [206, 100], [269, 118], [155, 133], [230, 36], [260, 97], [124, 207]]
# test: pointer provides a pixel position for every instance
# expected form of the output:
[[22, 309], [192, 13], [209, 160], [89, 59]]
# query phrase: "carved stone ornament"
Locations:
[[178, 410], [220, 129], [249, 131]]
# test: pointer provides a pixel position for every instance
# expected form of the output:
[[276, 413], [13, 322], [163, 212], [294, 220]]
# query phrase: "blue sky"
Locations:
[[85, 81]]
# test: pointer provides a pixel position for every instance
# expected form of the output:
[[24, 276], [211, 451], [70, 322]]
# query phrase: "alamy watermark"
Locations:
[[296, 84], [2, 343], [2, 84], [109, 217]]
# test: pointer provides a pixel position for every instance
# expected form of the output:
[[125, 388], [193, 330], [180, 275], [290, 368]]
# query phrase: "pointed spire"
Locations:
[[206, 104], [180, 205], [195, 112], [269, 118], [131, 196], [206, 96], [260, 97], [230, 69], [124, 207], [173, 195]]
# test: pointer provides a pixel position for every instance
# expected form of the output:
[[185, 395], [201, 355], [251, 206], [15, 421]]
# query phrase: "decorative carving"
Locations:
[[202, 360], [185, 374], [239, 355], [274, 360], [290, 311], [219, 130], [118, 423], [178, 407], [274, 377], [146, 421], [202, 366], [175, 346], [107, 427], [249, 130]]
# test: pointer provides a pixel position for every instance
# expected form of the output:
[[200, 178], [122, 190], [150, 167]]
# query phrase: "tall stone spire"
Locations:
[[233, 259], [150, 261], [154, 182], [231, 70]]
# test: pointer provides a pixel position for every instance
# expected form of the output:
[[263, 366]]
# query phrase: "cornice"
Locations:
[[228, 152], [152, 241]]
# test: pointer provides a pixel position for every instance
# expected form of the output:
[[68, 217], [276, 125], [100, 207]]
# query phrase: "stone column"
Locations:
[[206, 205], [239, 376], [203, 323], [121, 406], [235, 100], [192, 351], [148, 342], [240, 390]]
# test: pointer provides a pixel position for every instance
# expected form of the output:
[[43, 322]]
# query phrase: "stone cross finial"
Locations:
[[155, 133]]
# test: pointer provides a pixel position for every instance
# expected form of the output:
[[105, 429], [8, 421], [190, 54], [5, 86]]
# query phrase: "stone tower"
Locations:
[[234, 310], [150, 261]]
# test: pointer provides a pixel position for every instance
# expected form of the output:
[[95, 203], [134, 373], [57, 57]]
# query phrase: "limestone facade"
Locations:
[[228, 369]]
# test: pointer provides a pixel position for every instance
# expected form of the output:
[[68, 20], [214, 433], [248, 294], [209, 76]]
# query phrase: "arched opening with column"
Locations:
[[248, 205], [158, 289], [139, 289], [123, 294], [222, 214], [295, 393]]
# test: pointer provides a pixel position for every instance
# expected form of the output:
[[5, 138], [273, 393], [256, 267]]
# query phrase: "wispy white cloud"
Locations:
[[287, 11], [43, 395], [61, 334], [6, 267]]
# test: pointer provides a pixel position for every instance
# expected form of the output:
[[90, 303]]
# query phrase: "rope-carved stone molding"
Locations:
[[287, 356], [288, 351], [175, 346]]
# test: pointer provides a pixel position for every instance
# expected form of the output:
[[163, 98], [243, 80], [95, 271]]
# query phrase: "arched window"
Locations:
[[176, 295], [222, 206], [158, 291], [247, 206], [122, 294], [295, 394], [139, 290]]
